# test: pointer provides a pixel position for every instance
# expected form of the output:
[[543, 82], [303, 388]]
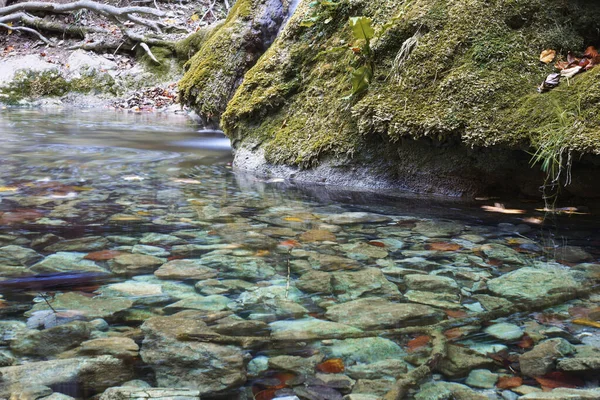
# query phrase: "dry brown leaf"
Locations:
[[586, 322], [418, 342], [547, 56], [331, 366], [442, 246], [591, 52], [509, 382]]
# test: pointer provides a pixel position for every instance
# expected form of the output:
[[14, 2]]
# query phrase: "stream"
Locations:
[[134, 263]]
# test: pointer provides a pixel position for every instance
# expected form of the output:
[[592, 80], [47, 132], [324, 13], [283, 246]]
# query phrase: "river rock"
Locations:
[[438, 228], [66, 262], [31, 62], [18, 255], [482, 378], [317, 235], [154, 238], [459, 361], [573, 255], [150, 250], [239, 267], [448, 390], [133, 393], [134, 264], [364, 351], [352, 218], [432, 283], [328, 262], [316, 282], [51, 341], [363, 251], [504, 331], [91, 375], [141, 293], [234, 325], [211, 303], [185, 269], [206, 367], [377, 313], [531, 284], [57, 396], [91, 307], [542, 358], [298, 365], [223, 286], [120, 347], [390, 368], [563, 394], [308, 328], [6, 359], [441, 300], [348, 285], [503, 253], [377, 387], [84, 244], [579, 364]]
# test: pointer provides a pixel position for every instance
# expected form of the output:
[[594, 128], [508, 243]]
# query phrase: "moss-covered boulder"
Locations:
[[226, 52], [451, 79]]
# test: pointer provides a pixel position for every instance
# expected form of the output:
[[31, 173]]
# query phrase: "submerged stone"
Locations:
[[309, 328], [504, 331], [91, 307], [365, 350], [206, 367], [532, 284], [185, 269], [349, 285], [66, 262], [377, 313]]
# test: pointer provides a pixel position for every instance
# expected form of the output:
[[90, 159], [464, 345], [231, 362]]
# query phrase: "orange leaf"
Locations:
[[331, 366], [442, 246], [453, 333], [267, 394], [262, 253], [418, 342], [586, 322], [591, 52], [376, 243], [547, 56], [291, 243], [526, 342], [560, 65], [559, 379], [456, 313], [509, 382]]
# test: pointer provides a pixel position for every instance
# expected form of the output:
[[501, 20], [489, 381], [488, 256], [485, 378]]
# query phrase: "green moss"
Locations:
[[33, 84], [216, 69], [164, 57], [186, 48], [472, 77]]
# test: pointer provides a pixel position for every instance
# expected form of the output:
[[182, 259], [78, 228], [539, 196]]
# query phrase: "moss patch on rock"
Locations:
[[226, 53], [470, 78], [33, 84]]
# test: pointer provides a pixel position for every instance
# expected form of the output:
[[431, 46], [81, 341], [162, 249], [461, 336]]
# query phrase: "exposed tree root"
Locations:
[[126, 40]]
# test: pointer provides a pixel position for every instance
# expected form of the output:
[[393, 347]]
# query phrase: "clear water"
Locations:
[[243, 256]]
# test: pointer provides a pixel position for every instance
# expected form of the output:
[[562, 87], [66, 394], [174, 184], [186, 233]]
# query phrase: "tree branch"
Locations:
[[104, 9], [24, 29]]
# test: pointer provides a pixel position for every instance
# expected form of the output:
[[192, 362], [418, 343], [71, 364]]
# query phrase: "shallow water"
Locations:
[[155, 231]]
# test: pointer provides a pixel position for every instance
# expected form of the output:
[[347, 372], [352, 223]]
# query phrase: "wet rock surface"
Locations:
[[214, 286]]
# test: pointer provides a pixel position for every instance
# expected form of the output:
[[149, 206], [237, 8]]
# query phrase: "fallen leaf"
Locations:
[[317, 235], [293, 219], [376, 243], [499, 208], [453, 333], [442, 246], [571, 59], [262, 253], [571, 72], [291, 243], [266, 394], [526, 342], [509, 382], [586, 322], [591, 52], [8, 188], [559, 379], [456, 313], [547, 56], [560, 65], [331, 366], [418, 342]]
